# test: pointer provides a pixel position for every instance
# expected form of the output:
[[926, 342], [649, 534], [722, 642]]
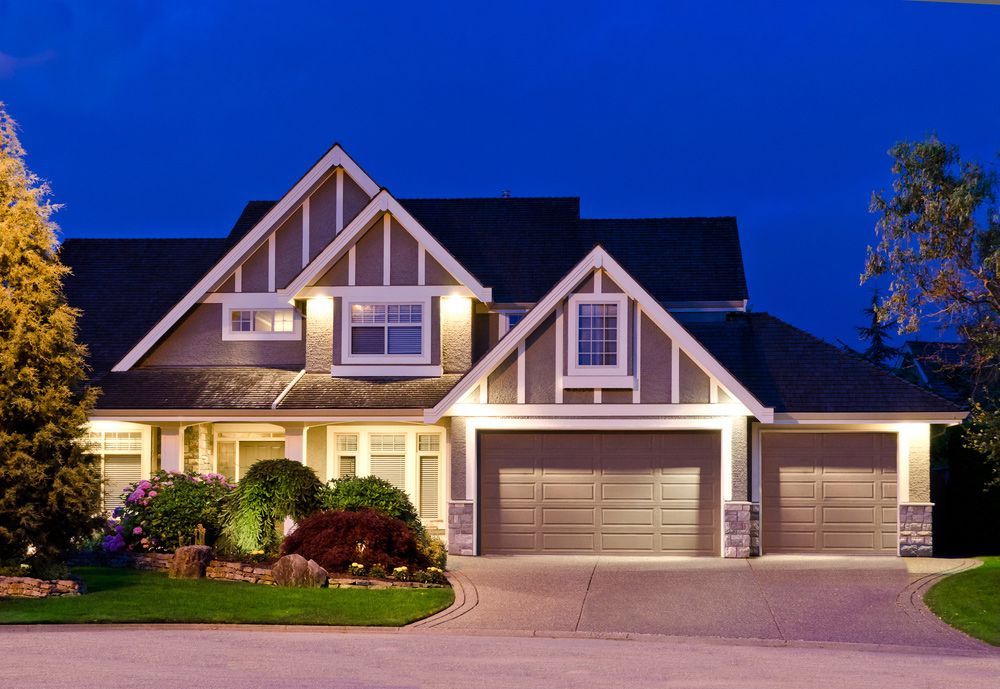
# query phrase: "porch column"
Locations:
[[295, 444], [172, 447]]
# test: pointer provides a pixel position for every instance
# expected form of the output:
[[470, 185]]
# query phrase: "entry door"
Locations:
[[253, 451]]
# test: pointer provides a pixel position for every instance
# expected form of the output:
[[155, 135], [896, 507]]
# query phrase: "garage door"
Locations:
[[828, 492], [624, 493]]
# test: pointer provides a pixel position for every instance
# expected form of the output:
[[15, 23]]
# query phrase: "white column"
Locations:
[[295, 442], [172, 447]]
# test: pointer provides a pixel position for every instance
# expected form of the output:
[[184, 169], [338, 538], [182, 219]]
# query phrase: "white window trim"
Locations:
[[590, 372], [228, 335], [504, 326], [427, 320]]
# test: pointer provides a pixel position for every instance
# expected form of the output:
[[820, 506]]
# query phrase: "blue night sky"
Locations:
[[162, 119]]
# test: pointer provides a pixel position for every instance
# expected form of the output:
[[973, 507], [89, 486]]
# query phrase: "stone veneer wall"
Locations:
[[28, 587], [460, 528], [916, 529], [741, 529]]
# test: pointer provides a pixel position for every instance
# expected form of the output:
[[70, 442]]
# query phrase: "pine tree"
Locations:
[[876, 334], [49, 487]]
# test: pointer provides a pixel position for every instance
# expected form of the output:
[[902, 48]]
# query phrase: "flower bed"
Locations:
[[261, 573], [28, 587]]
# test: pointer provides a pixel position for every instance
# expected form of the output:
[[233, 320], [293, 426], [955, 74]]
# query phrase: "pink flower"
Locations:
[[152, 493], [137, 530]]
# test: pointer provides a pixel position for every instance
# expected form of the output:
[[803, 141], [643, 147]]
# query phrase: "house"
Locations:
[[537, 382]]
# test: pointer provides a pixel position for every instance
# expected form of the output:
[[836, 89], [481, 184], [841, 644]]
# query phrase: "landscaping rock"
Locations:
[[296, 571], [190, 561]]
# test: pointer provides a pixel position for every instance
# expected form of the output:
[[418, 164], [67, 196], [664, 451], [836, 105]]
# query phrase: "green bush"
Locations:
[[434, 549], [370, 492], [271, 490], [163, 512]]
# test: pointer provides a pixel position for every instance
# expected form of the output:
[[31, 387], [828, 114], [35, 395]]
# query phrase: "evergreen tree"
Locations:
[[49, 488], [876, 335]]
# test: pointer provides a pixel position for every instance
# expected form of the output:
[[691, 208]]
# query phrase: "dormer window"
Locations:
[[598, 332], [393, 329]]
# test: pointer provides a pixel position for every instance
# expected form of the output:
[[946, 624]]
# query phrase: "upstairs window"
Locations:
[[598, 332], [262, 321], [508, 319], [387, 329]]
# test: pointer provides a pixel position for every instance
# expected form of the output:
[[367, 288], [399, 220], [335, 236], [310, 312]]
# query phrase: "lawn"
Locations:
[[126, 595], [970, 601]]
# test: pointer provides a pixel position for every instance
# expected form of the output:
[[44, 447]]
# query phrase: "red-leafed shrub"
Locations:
[[336, 538]]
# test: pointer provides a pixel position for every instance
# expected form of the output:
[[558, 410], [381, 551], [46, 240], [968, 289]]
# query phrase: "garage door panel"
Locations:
[[828, 491], [631, 492], [627, 493]]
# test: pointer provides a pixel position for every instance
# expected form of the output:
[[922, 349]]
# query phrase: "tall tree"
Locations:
[[49, 487], [876, 335], [939, 243]]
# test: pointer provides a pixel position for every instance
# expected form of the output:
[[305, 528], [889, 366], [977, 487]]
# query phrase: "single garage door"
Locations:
[[828, 492], [611, 493]]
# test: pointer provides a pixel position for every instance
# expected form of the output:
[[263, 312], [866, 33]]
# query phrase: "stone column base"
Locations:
[[460, 528], [741, 529], [916, 529]]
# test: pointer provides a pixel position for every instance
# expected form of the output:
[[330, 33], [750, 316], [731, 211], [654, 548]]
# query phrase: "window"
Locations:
[[429, 451], [508, 319], [597, 334], [388, 457], [262, 321], [393, 329], [347, 454]]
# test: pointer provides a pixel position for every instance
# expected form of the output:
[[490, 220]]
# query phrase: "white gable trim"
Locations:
[[598, 258], [384, 202], [335, 157]]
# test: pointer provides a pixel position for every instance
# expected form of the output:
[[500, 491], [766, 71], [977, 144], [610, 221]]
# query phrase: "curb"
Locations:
[[466, 598], [911, 600]]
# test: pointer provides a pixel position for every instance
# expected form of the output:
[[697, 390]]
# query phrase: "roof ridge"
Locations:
[[857, 356]]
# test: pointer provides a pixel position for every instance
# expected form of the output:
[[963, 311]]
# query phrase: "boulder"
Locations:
[[296, 571], [190, 561]]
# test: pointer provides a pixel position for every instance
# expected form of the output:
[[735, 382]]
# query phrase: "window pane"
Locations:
[[430, 487], [392, 468], [347, 442], [368, 314], [513, 319], [284, 320], [368, 340], [404, 340], [597, 335], [429, 443], [387, 442], [348, 466], [242, 321], [263, 321]]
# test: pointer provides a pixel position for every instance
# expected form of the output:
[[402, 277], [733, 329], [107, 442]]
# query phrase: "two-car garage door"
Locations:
[[601, 492]]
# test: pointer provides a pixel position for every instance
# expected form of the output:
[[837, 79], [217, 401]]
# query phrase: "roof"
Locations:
[[232, 387], [124, 286], [321, 391], [795, 372], [522, 246]]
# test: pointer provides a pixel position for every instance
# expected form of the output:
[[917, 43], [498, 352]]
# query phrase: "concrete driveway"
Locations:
[[871, 600]]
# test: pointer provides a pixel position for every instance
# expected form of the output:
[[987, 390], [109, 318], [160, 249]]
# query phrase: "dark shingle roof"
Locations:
[[793, 371], [522, 246], [946, 366], [124, 286], [320, 391], [193, 388]]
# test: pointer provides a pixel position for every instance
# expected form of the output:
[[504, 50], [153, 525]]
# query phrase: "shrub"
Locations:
[[164, 512], [370, 492], [434, 549], [271, 490], [357, 569], [338, 538], [431, 575], [378, 571], [401, 573]]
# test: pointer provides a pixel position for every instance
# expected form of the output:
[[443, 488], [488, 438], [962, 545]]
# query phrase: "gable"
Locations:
[[545, 358]]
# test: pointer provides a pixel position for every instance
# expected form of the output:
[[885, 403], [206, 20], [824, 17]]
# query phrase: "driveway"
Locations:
[[871, 600]]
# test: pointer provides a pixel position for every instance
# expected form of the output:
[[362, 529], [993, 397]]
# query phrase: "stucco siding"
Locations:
[[229, 286], [322, 216], [654, 367], [616, 396], [919, 455], [740, 448], [456, 436], [318, 335], [338, 274], [540, 363], [197, 341], [338, 330], [456, 337], [693, 382], [255, 271], [288, 250], [435, 274], [402, 256], [578, 396], [355, 199], [501, 387], [368, 256]]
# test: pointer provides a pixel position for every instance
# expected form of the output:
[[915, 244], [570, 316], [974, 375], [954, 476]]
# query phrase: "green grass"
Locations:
[[126, 595], [970, 601]]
